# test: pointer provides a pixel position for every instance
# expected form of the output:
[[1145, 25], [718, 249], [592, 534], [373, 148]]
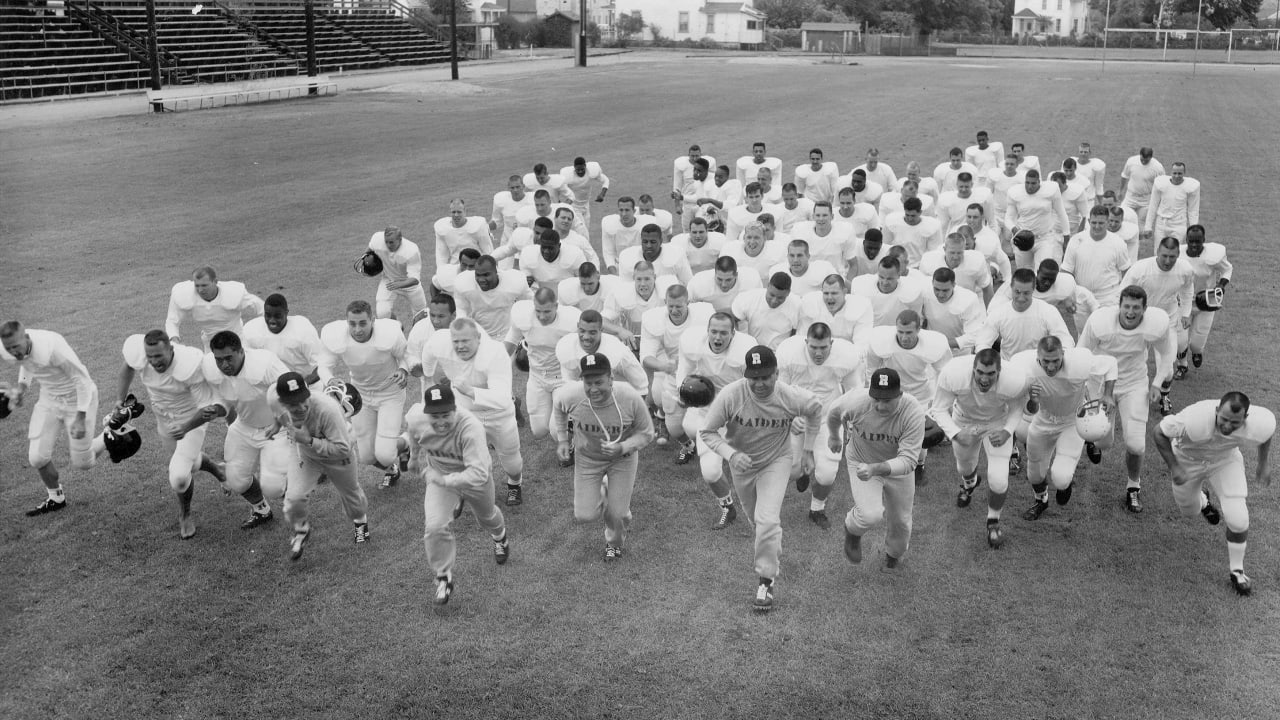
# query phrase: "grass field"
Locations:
[[1087, 613]]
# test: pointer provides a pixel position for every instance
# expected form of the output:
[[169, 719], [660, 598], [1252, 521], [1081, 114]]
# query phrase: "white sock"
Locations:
[[1235, 555], [1134, 483], [56, 493], [817, 505]]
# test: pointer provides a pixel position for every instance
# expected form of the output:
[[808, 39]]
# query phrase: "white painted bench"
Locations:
[[199, 97]]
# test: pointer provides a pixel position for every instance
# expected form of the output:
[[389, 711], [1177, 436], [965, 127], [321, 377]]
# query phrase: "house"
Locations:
[[1063, 18], [831, 37], [735, 24], [489, 12]]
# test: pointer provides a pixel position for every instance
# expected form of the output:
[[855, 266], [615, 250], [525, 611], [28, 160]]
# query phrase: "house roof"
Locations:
[[571, 16], [731, 8], [1026, 13], [492, 6], [520, 6], [838, 27]]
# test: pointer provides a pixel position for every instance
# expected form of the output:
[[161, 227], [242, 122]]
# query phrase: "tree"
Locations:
[[1224, 14], [440, 8], [930, 15], [632, 24], [783, 14]]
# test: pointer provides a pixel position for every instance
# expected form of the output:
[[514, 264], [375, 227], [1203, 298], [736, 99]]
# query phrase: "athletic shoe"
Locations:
[[802, 482], [49, 505], [1166, 406], [1132, 502], [1180, 372], [965, 496], [390, 477], [514, 497], [764, 596], [362, 532], [457, 509], [569, 462], [687, 452], [612, 553], [1094, 452], [1210, 513], [186, 527], [1063, 496], [444, 588], [1015, 463], [660, 429], [726, 516], [995, 538], [256, 519], [852, 547], [127, 411], [819, 518], [298, 544], [501, 550], [1197, 360], [1036, 510], [890, 562], [1241, 582], [921, 480], [403, 460]]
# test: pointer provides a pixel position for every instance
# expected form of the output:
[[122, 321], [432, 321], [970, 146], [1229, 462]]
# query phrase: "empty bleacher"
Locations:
[[45, 55], [336, 49], [392, 36]]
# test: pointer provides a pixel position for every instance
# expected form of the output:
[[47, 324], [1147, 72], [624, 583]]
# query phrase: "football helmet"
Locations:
[[1093, 421]]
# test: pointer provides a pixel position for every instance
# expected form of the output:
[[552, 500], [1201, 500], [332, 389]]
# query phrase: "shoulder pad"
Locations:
[[184, 295], [135, 352], [187, 362], [230, 294], [334, 337], [386, 332]]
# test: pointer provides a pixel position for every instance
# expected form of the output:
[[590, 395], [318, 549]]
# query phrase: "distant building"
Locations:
[[1063, 18], [831, 37], [736, 24]]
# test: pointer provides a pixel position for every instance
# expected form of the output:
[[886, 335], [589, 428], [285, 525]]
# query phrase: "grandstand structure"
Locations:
[[59, 48]]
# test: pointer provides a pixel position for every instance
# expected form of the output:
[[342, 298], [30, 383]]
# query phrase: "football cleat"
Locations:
[[1063, 496], [1241, 582], [1132, 500], [890, 562], [501, 550], [514, 496], [1094, 452], [687, 452], [1036, 510], [1015, 463], [763, 601], [49, 505], [186, 527], [298, 544], [802, 482], [819, 518], [965, 496], [444, 588], [402, 460], [256, 519], [390, 477], [1166, 405], [1197, 359], [122, 415], [995, 538], [852, 547], [612, 553], [362, 532], [726, 516], [660, 430], [1180, 372], [1210, 512]]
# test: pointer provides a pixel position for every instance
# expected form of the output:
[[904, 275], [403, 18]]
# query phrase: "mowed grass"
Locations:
[[1089, 612]]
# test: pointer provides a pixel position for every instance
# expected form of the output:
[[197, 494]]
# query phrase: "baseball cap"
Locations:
[[885, 384], [761, 362], [438, 399], [292, 388], [594, 364]]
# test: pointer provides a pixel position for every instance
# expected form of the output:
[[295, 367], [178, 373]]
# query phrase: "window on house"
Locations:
[[1057, 26], [753, 25], [684, 23], [1044, 4], [1059, 4], [711, 24]]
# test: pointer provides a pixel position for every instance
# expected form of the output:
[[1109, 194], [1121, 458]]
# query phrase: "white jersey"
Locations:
[[451, 240], [528, 215], [740, 216], [58, 368], [1211, 266], [660, 337], [951, 208], [703, 288], [1140, 179], [626, 367], [1062, 289], [297, 343], [810, 281], [1000, 184], [699, 258], [1130, 233], [960, 403], [1080, 378], [541, 340], [550, 274], [887, 306], [771, 254], [1042, 213], [818, 185], [927, 187], [851, 322], [860, 264], [1098, 265], [769, 325], [1174, 205], [624, 305], [946, 176], [973, 273], [661, 218], [224, 312], [892, 202], [403, 264], [987, 242], [522, 238], [788, 217], [835, 248], [749, 169], [670, 261], [1196, 438], [570, 292], [179, 392], [1170, 290], [1075, 200], [864, 217], [1104, 334], [882, 175], [697, 358], [488, 372], [1094, 174], [682, 171], [918, 239], [555, 187], [491, 309], [840, 372], [992, 158], [505, 208], [1030, 162], [960, 319], [579, 186], [1018, 331], [917, 367], [616, 237], [370, 364], [247, 391]]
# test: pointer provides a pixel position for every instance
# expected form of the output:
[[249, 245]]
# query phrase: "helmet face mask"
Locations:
[[346, 395]]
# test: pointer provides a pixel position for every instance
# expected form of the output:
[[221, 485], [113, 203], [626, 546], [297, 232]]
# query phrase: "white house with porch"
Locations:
[[1063, 18], [729, 23]]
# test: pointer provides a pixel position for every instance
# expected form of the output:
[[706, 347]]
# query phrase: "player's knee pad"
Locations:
[[385, 450], [587, 514], [39, 453], [711, 465], [1235, 513], [82, 455], [539, 427], [997, 481], [511, 460]]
